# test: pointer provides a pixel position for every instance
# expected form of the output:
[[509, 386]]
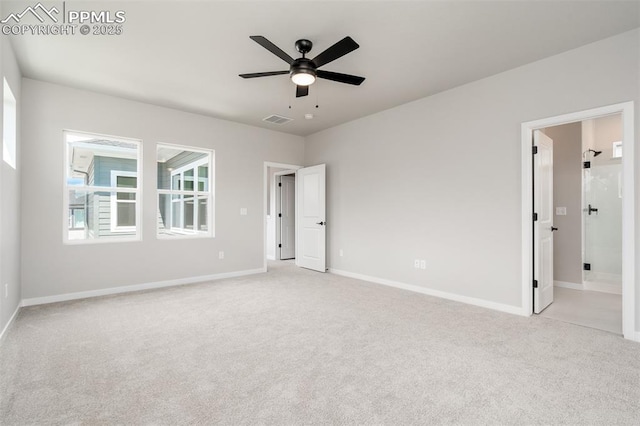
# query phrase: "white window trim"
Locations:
[[180, 232], [9, 126], [114, 200]]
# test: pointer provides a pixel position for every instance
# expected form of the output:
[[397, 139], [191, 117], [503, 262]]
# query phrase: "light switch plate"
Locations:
[[561, 211]]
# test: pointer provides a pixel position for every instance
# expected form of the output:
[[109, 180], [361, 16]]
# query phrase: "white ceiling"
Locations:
[[187, 55]]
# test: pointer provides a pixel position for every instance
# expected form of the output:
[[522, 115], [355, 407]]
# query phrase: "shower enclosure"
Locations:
[[602, 216]]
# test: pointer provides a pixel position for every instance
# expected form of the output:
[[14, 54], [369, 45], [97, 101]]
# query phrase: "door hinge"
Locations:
[[535, 217], [535, 283], [586, 165], [534, 149], [586, 266], [279, 214], [279, 245], [279, 183]]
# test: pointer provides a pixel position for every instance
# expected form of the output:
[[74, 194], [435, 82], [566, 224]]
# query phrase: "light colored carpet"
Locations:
[[298, 347], [588, 308]]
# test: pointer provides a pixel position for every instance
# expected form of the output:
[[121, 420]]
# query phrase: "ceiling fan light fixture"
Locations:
[[303, 77], [304, 71]]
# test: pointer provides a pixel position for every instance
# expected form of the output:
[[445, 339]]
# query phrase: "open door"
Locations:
[[286, 215], [311, 245], [543, 221]]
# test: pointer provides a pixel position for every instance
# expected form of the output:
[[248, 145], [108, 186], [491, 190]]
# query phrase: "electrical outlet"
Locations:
[[220, 255], [341, 253], [243, 211], [416, 263], [423, 264]]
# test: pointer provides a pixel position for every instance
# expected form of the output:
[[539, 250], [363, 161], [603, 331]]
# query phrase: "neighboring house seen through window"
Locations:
[[123, 204], [102, 188], [184, 191]]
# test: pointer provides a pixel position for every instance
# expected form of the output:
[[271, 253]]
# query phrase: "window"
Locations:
[[102, 188], [617, 150], [9, 125], [185, 191]]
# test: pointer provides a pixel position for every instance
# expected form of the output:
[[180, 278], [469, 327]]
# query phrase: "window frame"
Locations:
[[67, 188], [9, 125], [616, 150], [209, 195]]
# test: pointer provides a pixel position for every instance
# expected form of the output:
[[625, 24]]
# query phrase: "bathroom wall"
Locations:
[[567, 194]]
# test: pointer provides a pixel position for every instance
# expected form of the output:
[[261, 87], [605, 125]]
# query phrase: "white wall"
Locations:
[[10, 199], [52, 268], [439, 178]]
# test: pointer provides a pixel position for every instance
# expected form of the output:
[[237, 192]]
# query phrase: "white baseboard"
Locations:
[[591, 286], [13, 317], [516, 310], [271, 257], [567, 284], [136, 287], [603, 287]]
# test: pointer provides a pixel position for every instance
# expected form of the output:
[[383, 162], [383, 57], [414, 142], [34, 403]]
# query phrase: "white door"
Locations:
[[543, 226], [310, 184], [287, 217]]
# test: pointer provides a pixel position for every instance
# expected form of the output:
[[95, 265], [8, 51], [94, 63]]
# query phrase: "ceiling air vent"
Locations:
[[277, 119]]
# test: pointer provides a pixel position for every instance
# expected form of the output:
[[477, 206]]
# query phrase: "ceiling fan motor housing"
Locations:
[[303, 65]]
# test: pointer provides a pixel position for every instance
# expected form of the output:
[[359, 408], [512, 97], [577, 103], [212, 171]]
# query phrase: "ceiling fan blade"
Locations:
[[336, 51], [272, 48], [302, 91], [263, 74], [340, 78]]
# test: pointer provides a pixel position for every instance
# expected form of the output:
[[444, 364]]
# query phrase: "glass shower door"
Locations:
[[602, 219]]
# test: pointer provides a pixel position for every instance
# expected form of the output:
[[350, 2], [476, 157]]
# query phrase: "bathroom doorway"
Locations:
[[587, 210]]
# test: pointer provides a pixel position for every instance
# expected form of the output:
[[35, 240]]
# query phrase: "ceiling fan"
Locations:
[[304, 71]]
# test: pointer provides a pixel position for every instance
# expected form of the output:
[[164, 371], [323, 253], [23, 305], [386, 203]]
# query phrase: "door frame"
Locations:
[[628, 206], [291, 168]]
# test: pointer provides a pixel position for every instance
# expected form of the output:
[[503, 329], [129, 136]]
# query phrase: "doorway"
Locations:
[[273, 173], [308, 221], [593, 240], [285, 216], [586, 213]]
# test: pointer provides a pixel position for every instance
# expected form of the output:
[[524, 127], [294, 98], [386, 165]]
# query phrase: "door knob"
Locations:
[[553, 228], [591, 210], [321, 223]]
